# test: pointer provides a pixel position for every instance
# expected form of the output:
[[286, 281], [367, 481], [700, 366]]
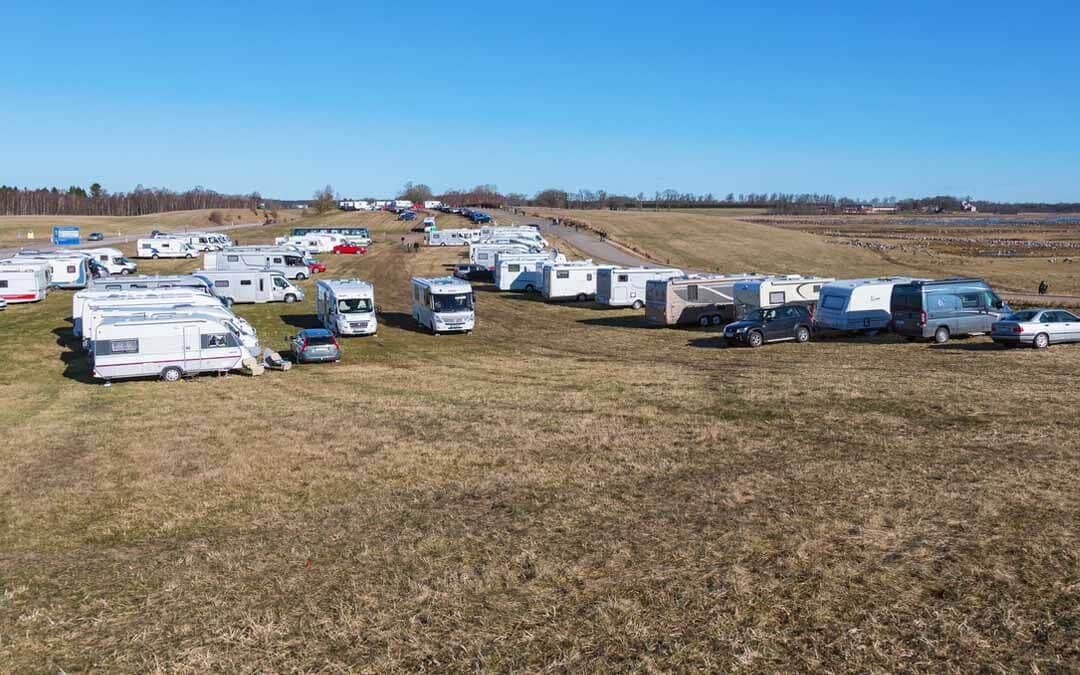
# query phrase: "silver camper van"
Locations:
[[256, 286]]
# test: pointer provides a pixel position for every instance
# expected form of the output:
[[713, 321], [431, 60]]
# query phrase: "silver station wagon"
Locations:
[[1038, 328]]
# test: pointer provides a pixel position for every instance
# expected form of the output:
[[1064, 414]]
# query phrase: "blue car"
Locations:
[[480, 218], [313, 345], [408, 215]]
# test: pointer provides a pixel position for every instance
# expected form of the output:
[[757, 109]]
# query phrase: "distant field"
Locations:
[[714, 242], [564, 490]]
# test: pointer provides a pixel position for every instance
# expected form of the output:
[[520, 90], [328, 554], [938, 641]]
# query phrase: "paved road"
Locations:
[[46, 244], [586, 242]]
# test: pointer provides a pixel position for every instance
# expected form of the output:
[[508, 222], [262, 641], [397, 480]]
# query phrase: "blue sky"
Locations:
[[853, 98]]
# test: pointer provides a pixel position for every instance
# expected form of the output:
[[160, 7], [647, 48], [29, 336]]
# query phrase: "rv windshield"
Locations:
[[123, 260], [351, 305], [462, 302]]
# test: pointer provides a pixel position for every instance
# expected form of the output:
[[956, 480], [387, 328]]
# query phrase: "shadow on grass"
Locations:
[[403, 321], [76, 361], [970, 347], [633, 321], [711, 342], [301, 320]]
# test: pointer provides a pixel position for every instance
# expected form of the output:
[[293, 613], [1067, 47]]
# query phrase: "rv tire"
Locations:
[[229, 302], [802, 334], [301, 276], [703, 321], [190, 255], [529, 288], [290, 299], [638, 304], [715, 320], [581, 297], [172, 374], [755, 339], [124, 273], [154, 256], [941, 335], [1041, 341]]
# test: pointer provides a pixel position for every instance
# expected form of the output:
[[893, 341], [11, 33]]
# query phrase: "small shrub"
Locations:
[[217, 218]]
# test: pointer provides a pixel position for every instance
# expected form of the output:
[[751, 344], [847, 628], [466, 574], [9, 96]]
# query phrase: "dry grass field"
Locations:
[[565, 489]]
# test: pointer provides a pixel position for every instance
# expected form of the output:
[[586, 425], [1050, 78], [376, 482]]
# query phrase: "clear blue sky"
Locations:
[[856, 98]]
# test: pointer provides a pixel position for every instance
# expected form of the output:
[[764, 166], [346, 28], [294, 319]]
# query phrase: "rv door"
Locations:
[[191, 348]]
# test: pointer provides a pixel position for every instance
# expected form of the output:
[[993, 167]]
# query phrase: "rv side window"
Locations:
[[221, 283], [691, 292], [970, 300], [3, 283], [588, 277], [277, 261], [218, 341], [562, 274], [71, 269], [623, 278], [833, 302], [144, 245], [245, 282], [513, 268], [121, 346], [776, 297], [233, 258]]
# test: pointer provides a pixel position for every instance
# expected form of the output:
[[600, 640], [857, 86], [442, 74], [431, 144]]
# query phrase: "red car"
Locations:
[[352, 249], [315, 266]]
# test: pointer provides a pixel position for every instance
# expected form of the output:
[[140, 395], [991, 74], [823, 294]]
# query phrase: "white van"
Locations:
[[24, 283], [571, 280], [66, 270], [857, 304], [160, 298], [625, 286], [256, 286], [163, 247], [774, 291], [169, 348], [288, 260], [346, 306], [112, 259], [523, 271], [443, 304]]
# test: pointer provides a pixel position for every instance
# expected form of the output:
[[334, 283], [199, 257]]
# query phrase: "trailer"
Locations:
[[774, 291], [700, 299], [346, 306], [443, 304], [165, 297], [852, 305], [251, 286], [147, 282], [625, 286], [571, 280], [67, 269], [523, 271], [23, 282], [245, 330], [169, 348], [484, 254]]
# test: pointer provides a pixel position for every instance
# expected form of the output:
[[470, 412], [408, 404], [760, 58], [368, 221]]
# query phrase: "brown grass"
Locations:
[[564, 489]]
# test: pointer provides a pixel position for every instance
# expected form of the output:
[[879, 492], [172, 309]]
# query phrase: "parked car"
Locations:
[[786, 322], [314, 345], [96, 236], [314, 265], [1038, 328], [350, 249], [407, 215], [472, 272]]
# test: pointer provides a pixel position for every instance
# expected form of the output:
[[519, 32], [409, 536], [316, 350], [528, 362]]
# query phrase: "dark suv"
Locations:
[[786, 322]]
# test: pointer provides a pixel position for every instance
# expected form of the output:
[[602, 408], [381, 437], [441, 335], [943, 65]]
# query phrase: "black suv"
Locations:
[[786, 322]]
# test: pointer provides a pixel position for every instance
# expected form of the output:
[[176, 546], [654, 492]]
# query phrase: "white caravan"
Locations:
[[203, 241], [112, 259], [521, 232], [23, 283], [857, 304], [523, 271], [256, 286], [285, 259], [164, 247], [571, 280], [443, 304], [164, 298], [346, 306], [625, 286], [147, 281], [484, 254], [242, 328], [169, 348], [66, 270], [312, 243], [456, 237], [775, 291], [96, 311]]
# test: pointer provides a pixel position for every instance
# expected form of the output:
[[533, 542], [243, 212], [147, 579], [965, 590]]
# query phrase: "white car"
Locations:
[[1038, 328]]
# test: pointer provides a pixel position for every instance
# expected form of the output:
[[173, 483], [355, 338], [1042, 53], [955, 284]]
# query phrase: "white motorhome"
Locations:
[[346, 306], [163, 297], [523, 271], [403, 204], [66, 270], [169, 348], [112, 259], [432, 204], [571, 280], [443, 304], [455, 237], [312, 243], [625, 286], [203, 241], [774, 291], [164, 247], [857, 304], [256, 286], [24, 283], [484, 254], [148, 281], [514, 233], [285, 259]]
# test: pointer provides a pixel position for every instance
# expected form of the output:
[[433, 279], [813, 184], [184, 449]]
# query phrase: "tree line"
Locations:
[[96, 201]]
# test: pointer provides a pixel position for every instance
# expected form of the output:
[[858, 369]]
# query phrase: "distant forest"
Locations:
[[76, 201]]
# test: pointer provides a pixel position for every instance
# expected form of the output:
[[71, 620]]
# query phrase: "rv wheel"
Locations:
[[229, 302], [716, 321], [638, 304], [802, 334], [703, 321], [154, 256], [171, 374], [755, 339], [124, 273], [301, 276], [189, 255], [290, 299], [529, 288], [941, 335], [1042, 341]]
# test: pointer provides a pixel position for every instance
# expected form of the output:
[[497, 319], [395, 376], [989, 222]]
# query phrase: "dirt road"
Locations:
[[588, 243], [45, 244]]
